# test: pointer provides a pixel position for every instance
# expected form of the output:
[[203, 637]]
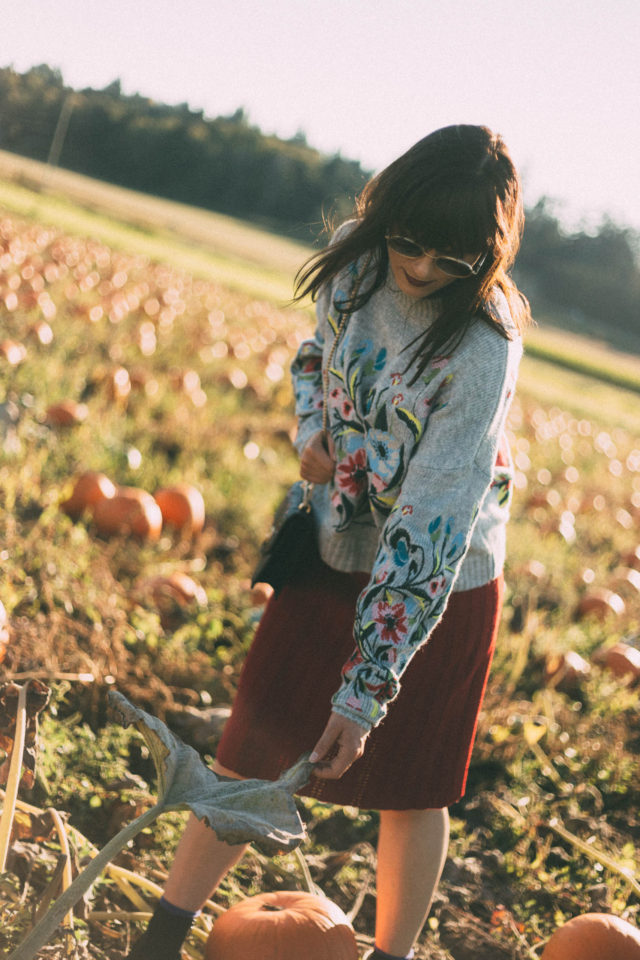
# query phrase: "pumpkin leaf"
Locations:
[[240, 811]]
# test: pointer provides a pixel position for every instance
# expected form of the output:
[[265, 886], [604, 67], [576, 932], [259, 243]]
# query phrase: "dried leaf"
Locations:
[[240, 811], [38, 694]]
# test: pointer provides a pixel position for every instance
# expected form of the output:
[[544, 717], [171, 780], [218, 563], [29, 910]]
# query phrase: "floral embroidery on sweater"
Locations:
[[416, 489]]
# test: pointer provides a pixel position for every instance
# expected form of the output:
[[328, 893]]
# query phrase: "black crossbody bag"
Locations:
[[292, 544]]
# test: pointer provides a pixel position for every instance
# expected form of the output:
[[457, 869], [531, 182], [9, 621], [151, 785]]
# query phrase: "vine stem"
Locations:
[[53, 918], [13, 780]]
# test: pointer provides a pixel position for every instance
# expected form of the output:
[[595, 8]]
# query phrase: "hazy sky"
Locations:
[[558, 78]]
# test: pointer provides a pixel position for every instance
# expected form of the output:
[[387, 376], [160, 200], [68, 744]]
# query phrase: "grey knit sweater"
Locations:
[[420, 495]]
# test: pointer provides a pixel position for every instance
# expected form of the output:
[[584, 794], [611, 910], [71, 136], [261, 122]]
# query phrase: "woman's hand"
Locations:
[[318, 460], [349, 738]]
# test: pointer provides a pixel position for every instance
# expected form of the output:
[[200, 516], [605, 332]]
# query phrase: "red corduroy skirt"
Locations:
[[418, 756]]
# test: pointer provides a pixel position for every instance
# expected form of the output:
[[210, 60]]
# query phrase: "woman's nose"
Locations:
[[423, 268]]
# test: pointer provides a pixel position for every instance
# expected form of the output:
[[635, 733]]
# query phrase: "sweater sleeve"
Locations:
[[428, 531], [306, 377]]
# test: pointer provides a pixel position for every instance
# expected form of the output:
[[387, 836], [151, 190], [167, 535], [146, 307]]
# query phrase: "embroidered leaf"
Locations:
[[381, 359], [411, 421], [381, 422], [433, 528], [336, 373]]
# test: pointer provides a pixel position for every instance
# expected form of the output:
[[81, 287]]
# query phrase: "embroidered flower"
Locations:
[[392, 619], [440, 362], [351, 474], [437, 587], [347, 408], [312, 365], [384, 453], [398, 398], [407, 510], [396, 378], [354, 702]]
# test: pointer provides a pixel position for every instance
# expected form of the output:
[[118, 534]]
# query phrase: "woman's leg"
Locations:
[[201, 860], [412, 848], [200, 863]]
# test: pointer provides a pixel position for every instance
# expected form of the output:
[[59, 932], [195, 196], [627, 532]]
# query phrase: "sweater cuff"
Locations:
[[365, 711]]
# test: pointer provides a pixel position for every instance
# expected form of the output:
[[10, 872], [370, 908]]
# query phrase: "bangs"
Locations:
[[451, 218]]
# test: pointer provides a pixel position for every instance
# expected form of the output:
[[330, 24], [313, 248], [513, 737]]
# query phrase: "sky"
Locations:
[[366, 78]]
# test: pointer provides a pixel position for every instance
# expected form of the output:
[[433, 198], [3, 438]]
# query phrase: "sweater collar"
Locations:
[[422, 309]]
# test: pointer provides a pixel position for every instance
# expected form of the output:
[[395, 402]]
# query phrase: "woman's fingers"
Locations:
[[316, 463], [342, 742]]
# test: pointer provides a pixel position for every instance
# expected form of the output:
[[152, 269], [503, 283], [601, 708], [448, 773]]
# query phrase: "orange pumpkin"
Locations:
[[182, 506], [623, 659], [89, 488], [594, 936], [4, 631], [285, 925], [13, 352], [130, 511], [178, 588], [67, 413], [600, 603]]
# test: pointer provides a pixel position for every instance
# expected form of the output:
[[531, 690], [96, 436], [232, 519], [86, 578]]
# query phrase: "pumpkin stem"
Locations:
[[272, 907]]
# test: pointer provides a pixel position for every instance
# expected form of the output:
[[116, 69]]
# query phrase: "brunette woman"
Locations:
[[376, 656]]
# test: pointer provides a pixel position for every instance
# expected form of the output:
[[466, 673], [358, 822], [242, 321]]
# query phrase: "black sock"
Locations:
[[379, 954], [165, 934]]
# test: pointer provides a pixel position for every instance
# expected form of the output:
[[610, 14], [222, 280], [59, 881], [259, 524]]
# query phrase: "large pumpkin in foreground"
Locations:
[[285, 925], [594, 936]]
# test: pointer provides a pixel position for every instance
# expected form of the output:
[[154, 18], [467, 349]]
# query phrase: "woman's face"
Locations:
[[419, 277]]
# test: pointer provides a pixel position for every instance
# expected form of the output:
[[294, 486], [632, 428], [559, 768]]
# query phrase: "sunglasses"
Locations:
[[449, 265]]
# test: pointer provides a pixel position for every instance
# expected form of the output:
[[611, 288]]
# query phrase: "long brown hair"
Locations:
[[455, 191]]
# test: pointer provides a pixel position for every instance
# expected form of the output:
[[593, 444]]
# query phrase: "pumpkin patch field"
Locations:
[[145, 440]]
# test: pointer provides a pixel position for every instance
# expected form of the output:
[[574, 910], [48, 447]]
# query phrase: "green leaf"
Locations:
[[240, 811], [411, 421]]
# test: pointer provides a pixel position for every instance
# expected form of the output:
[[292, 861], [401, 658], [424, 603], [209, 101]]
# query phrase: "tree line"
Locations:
[[228, 165]]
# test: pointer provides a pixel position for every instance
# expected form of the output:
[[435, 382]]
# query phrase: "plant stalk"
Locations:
[[50, 922], [13, 779]]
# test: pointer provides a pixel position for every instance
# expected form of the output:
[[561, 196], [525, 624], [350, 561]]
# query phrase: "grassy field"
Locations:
[[182, 371], [240, 255]]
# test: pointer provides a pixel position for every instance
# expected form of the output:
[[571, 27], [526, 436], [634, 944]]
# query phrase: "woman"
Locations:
[[377, 655]]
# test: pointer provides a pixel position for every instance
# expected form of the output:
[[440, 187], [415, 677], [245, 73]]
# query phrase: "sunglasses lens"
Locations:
[[453, 268], [405, 247]]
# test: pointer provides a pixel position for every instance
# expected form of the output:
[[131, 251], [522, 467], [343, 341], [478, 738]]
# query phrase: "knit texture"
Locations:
[[420, 495]]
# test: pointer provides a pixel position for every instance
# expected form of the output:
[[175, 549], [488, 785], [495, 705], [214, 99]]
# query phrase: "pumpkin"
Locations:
[[182, 506], [623, 659], [4, 631], [119, 384], [89, 488], [130, 511], [600, 603], [42, 333], [14, 353], [67, 413], [566, 670], [632, 559], [178, 588], [594, 936], [285, 925]]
